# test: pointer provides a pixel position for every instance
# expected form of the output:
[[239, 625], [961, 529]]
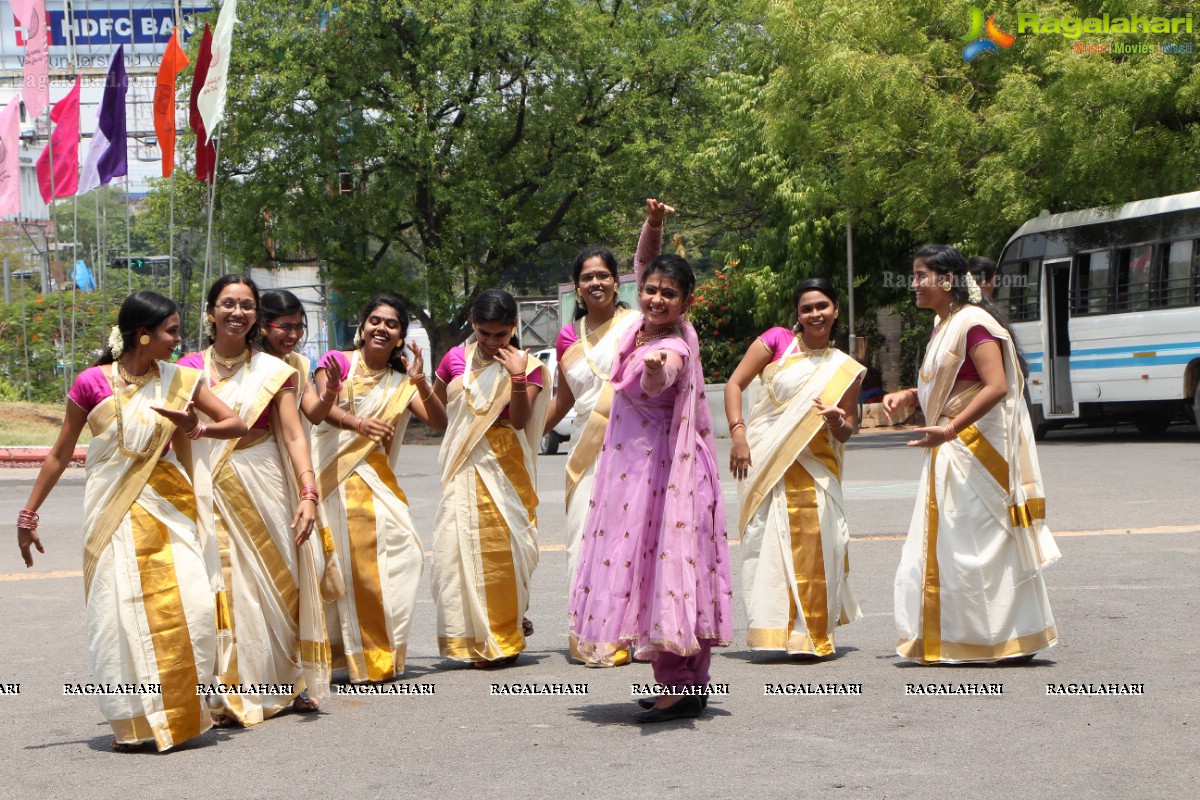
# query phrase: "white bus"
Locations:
[[1106, 305]]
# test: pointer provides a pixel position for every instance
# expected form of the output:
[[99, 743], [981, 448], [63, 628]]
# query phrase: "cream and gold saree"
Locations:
[[374, 556], [969, 586], [267, 580], [149, 580], [795, 540], [485, 532]]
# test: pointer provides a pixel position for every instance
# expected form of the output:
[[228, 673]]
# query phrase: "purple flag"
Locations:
[[114, 161]]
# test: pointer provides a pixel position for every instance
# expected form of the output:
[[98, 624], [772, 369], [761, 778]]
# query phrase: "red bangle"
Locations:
[[520, 377]]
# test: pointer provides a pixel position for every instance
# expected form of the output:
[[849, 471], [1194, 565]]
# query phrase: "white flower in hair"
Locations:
[[116, 342], [973, 293], [358, 339]]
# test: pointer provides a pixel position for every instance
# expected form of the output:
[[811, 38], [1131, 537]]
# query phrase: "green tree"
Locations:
[[425, 147]]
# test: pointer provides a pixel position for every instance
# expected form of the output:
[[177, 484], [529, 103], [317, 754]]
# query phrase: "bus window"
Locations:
[[1091, 283], [1177, 277], [1018, 289], [1133, 278]]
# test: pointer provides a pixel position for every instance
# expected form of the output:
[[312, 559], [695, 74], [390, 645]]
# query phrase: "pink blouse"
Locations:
[[196, 361], [90, 389], [777, 340], [454, 363], [975, 337]]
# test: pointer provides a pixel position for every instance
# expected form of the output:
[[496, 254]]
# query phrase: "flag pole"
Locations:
[[128, 233], [212, 192], [52, 247]]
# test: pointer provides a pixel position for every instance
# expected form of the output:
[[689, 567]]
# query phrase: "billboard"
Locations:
[[85, 36]]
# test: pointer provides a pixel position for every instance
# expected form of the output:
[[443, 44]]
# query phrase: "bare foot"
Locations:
[[225, 721], [128, 747]]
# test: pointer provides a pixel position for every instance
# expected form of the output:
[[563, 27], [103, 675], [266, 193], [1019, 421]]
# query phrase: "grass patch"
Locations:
[[32, 424]]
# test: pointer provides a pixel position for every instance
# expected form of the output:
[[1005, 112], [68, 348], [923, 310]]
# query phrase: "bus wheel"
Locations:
[[550, 443], [1040, 426], [1196, 404], [1152, 424]]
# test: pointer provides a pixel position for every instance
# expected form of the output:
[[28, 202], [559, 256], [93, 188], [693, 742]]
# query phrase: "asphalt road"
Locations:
[[1124, 596]]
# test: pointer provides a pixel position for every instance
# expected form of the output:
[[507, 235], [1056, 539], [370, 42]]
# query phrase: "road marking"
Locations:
[[558, 548]]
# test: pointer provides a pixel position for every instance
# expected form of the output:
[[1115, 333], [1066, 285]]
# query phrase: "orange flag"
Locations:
[[174, 60]]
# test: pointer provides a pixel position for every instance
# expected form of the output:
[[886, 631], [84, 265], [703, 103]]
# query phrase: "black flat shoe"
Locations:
[[1017, 660], [687, 707], [648, 702]]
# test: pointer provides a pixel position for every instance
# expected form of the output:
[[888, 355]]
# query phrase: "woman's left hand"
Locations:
[[935, 436], [185, 420], [512, 359], [416, 364], [302, 522], [834, 416]]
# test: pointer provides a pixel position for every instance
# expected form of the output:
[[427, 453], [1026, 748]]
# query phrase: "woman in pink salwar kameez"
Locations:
[[654, 566]]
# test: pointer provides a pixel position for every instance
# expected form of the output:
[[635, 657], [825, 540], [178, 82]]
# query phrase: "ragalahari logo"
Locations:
[[984, 37]]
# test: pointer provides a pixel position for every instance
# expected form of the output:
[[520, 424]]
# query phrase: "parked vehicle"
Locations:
[[562, 431], [1106, 305]]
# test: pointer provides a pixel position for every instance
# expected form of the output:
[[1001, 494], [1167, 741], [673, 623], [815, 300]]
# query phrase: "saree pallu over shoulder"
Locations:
[[795, 540], [485, 532], [374, 558], [588, 365], [780, 431], [1017, 474], [969, 586], [249, 392], [121, 479]]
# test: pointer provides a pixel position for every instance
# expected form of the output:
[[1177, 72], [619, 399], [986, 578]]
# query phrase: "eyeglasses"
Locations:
[[289, 328], [229, 304], [601, 277]]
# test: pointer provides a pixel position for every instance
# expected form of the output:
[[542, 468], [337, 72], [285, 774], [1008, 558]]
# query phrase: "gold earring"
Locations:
[[144, 339], [947, 286]]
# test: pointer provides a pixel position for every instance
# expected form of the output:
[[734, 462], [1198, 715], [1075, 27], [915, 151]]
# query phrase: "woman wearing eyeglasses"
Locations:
[[587, 350], [284, 327], [376, 557], [272, 594]]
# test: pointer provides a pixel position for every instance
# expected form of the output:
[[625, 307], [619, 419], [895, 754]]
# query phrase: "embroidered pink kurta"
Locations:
[[654, 567]]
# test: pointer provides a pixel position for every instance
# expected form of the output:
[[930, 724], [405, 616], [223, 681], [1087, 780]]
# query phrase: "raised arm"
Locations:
[[650, 240]]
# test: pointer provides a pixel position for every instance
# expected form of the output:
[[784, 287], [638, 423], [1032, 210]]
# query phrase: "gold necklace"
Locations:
[[480, 362], [641, 338], [770, 382], [467, 388], [367, 371], [229, 363], [809, 351], [158, 424], [137, 380]]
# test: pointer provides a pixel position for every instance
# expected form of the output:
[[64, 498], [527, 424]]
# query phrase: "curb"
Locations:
[[34, 456]]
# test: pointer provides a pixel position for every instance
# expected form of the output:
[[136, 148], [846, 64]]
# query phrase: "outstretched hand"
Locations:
[[185, 420], [654, 361]]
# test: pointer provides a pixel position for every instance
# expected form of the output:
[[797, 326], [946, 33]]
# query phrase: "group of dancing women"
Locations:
[[245, 530]]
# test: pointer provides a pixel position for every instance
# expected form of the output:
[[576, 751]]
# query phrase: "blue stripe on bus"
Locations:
[[1101, 351], [1148, 361]]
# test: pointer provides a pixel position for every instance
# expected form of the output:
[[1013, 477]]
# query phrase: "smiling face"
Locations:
[[381, 330], [163, 339], [596, 285], [234, 313], [816, 312], [662, 301], [492, 336], [284, 333], [928, 286]]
